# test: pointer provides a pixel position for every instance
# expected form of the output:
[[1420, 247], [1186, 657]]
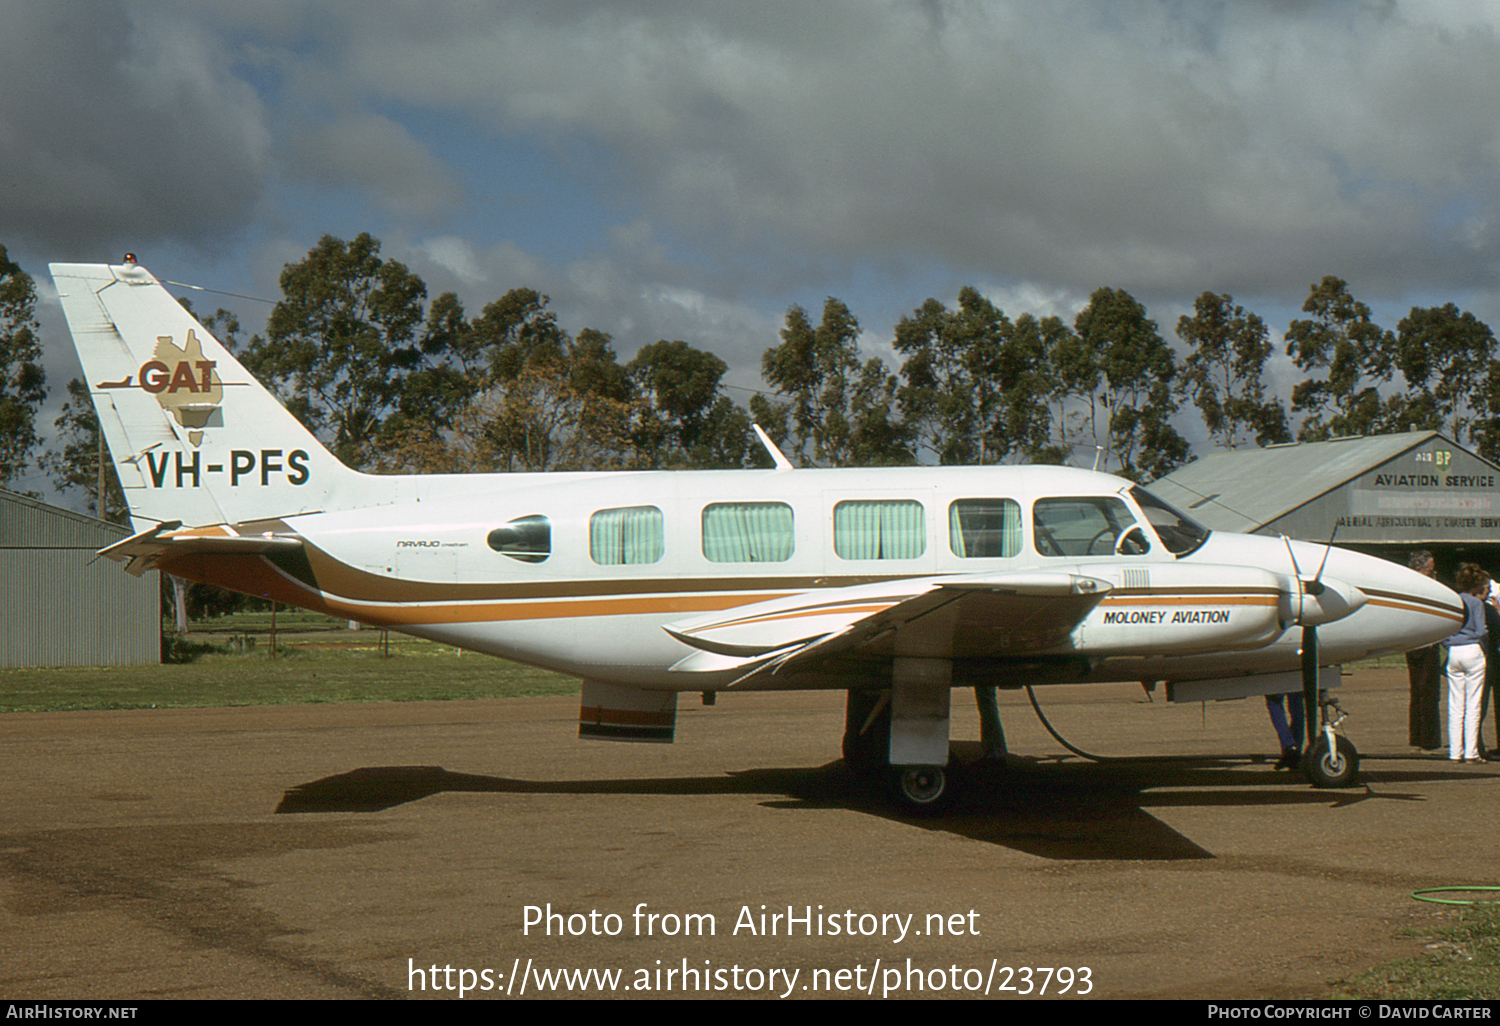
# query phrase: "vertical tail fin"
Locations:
[[193, 435]]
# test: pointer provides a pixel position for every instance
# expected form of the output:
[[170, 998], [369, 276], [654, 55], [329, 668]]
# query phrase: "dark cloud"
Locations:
[[1072, 142], [779, 151], [121, 130]]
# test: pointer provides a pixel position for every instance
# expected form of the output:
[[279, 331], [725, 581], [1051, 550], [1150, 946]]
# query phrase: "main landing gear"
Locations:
[[921, 789], [920, 784]]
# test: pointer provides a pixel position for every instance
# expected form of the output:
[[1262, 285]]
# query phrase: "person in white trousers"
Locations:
[[1466, 666]]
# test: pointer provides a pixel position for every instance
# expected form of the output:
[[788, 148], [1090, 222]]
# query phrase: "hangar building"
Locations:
[[1385, 495], [61, 606]]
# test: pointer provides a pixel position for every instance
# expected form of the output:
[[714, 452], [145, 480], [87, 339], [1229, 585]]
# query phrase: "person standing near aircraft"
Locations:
[[1289, 735], [1492, 668], [1424, 667], [1466, 663]]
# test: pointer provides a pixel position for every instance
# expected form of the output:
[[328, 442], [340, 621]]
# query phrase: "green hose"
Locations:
[[1425, 894]]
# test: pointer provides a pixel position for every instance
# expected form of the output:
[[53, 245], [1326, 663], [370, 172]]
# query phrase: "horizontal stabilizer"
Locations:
[[143, 551]]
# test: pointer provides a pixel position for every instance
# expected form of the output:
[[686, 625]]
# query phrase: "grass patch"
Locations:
[[227, 662], [1463, 961]]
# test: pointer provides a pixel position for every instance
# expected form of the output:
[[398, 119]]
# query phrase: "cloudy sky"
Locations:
[[667, 169]]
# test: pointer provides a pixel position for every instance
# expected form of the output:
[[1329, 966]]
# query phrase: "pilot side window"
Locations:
[[1179, 532], [1088, 526], [748, 532], [528, 539], [630, 534], [879, 529], [984, 528]]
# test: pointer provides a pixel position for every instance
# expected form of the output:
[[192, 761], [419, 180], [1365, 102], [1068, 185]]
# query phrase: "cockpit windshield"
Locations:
[[1179, 532]]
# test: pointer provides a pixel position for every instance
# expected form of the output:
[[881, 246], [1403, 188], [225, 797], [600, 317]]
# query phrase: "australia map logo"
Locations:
[[183, 381]]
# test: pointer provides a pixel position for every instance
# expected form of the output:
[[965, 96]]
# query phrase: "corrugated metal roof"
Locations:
[[30, 523], [1249, 488]]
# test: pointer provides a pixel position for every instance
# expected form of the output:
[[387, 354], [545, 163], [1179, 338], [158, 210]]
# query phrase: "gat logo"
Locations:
[[183, 382], [157, 377]]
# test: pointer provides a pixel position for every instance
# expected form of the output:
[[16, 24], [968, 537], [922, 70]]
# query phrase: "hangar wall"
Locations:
[[1385, 494], [1436, 493], [62, 606]]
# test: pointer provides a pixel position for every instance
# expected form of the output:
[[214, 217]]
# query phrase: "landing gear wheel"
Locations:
[[924, 790], [1337, 768]]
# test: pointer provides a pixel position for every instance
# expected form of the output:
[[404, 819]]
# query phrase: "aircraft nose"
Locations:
[[1432, 610]]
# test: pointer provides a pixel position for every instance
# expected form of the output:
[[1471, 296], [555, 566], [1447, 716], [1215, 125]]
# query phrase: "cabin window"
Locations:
[[1087, 526], [984, 528], [879, 529], [748, 532], [631, 534], [528, 539]]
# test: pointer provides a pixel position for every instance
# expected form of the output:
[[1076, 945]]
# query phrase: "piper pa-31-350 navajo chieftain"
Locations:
[[896, 585]]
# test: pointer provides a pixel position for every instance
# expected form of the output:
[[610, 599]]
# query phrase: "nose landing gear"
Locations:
[[1331, 760]]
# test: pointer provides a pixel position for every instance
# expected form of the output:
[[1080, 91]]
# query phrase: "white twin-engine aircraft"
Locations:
[[897, 585]]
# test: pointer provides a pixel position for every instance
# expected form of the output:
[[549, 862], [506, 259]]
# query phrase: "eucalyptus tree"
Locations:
[[837, 409], [1446, 357], [552, 402], [342, 341], [975, 385], [1356, 354], [1224, 373], [684, 417], [23, 381], [1117, 349]]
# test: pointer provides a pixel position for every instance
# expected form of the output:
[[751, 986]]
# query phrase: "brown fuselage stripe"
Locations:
[[254, 575], [1395, 600], [1418, 606]]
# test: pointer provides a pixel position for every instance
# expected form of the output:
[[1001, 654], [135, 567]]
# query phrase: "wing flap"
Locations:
[[960, 617]]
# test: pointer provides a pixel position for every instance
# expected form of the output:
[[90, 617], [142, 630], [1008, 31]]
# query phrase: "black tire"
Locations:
[[922, 790], [1338, 768]]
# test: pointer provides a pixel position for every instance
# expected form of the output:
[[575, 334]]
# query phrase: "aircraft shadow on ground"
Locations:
[[1061, 810]]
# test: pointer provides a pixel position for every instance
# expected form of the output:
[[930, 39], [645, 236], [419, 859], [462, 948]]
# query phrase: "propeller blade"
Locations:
[[1310, 685]]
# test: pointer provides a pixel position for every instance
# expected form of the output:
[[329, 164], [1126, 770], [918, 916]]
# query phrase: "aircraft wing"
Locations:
[[143, 551], [958, 617]]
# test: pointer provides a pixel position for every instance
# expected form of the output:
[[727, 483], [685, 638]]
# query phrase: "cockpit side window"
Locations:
[[1092, 525], [1179, 532]]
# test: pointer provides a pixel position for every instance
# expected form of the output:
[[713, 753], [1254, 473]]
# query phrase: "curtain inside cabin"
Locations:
[[747, 532], [984, 528], [879, 529], [631, 534]]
